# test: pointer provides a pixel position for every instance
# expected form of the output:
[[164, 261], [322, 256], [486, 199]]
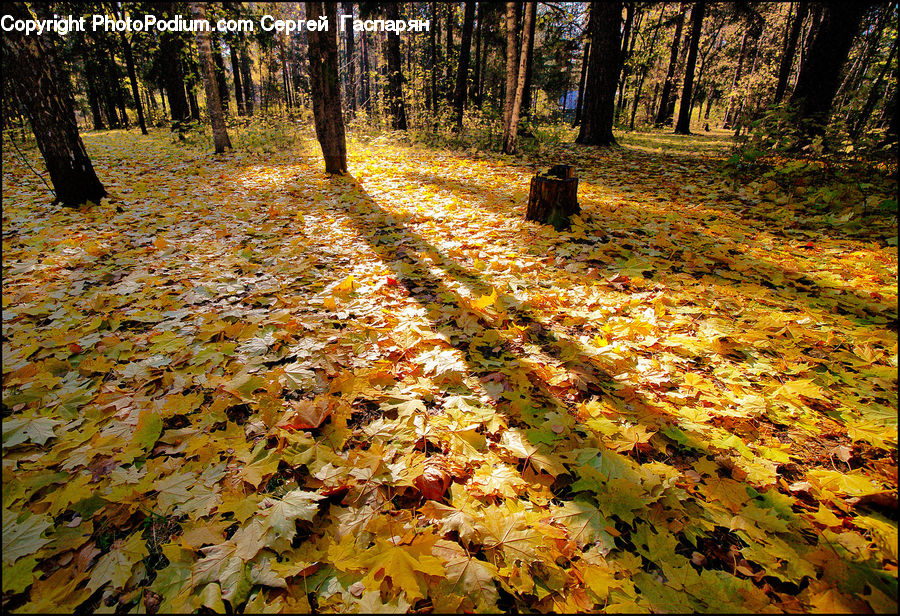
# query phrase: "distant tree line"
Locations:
[[601, 66]]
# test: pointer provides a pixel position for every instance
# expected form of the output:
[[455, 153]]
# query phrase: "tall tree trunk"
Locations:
[[326, 89], [736, 82], [790, 50], [683, 126], [579, 103], [285, 79], [247, 79], [645, 68], [475, 92], [117, 90], [448, 60], [109, 101], [626, 38], [221, 81], [603, 75], [820, 75], [132, 77], [43, 89], [432, 92], [874, 95], [170, 52], [668, 85], [90, 75], [511, 63], [350, 41], [509, 138], [529, 70], [236, 75], [395, 74], [462, 74], [366, 72], [210, 82]]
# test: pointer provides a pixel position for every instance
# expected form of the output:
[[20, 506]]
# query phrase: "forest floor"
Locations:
[[257, 385]]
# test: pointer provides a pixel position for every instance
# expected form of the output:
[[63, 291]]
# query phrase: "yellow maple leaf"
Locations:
[[486, 300]]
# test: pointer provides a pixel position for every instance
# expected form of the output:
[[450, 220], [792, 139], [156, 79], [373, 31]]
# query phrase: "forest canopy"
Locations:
[[441, 307]]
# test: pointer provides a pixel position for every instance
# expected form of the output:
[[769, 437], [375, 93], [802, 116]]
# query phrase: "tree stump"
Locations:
[[553, 197]]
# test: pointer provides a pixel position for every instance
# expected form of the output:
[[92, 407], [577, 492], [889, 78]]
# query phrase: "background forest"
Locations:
[[281, 335]]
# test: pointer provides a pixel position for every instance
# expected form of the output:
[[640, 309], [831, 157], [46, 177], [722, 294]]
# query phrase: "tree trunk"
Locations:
[[790, 50], [44, 92], [462, 74], [236, 75], [668, 84], [90, 76], [475, 92], [170, 46], [626, 37], [603, 76], [366, 70], [431, 97], [729, 113], [448, 60], [326, 90], [350, 41], [132, 77], [529, 69], [509, 137], [395, 74], [511, 63], [579, 103], [213, 102], [117, 90], [683, 126], [553, 197], [645, 68], [247, 79], [874, 95], [820, 75], [221, 81]]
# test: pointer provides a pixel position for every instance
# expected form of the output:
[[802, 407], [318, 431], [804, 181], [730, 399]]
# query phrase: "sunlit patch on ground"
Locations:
[[259, 385]]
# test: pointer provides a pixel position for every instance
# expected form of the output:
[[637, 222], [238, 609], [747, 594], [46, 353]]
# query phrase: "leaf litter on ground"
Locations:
[[259, 388]]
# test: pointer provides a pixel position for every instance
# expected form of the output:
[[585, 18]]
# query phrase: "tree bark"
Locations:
[[431, 100], [790, 50], [350, 41], [221, 81], [170, 50], [553, 197], [510, 134], [626, 38], [475, 92], [668, 84], [579, 103], [874, 95], [395, 74], [90, 76], [511, 63], [448, 60], [603, 76], [729, 113], [210, 82], [462, 73], [236, 75], [529, 69], [132, 77], [820, 75], [326, 90], [683, 126], [44, 91], [246, 79], [366, 70]]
